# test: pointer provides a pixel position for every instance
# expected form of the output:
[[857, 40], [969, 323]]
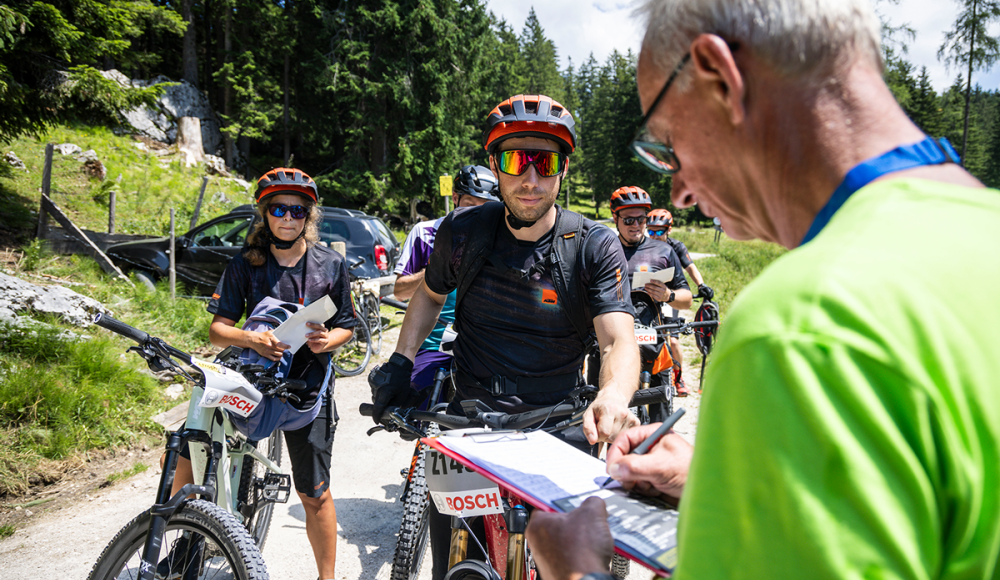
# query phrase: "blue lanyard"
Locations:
[[930, 151]]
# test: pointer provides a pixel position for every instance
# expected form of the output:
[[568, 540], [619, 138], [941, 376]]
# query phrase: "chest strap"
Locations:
[[500, 385]]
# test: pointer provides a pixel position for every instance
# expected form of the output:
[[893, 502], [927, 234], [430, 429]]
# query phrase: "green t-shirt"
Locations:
[[851, 420]]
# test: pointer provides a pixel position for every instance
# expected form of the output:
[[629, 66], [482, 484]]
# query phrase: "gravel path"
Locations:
[[65, 539]]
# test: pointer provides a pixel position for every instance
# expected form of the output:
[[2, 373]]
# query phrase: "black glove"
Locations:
[[705, 292], [390, 384]]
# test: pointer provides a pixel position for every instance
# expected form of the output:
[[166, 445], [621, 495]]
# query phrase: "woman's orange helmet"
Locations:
[[660, 218], [285, 180]]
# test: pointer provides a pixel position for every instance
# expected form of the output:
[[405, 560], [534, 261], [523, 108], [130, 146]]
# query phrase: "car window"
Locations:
[[351, 231], [384, 233], [223, 234]]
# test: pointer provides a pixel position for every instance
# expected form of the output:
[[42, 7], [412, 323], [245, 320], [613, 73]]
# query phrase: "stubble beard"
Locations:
[[530, 214]]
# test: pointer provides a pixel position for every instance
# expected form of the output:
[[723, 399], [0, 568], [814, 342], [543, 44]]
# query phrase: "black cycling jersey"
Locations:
[[682, 252], [651, 255], [325, 272], [515, 327]]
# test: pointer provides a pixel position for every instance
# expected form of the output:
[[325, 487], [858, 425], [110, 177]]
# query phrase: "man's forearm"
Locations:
[[421, 316], [692, 271], [406, 286], [620, 367], [682, 299]]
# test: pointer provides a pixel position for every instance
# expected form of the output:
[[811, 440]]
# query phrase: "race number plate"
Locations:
[[227, 389], [645, 335], [457, 490]]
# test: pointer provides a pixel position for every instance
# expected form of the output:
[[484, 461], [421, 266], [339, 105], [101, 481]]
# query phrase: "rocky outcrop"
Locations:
[[14, 161], [180, 100], [18, 297]]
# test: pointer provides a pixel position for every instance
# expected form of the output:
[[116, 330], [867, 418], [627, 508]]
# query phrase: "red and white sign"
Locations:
[[457, 490], [476, 502], [227, 389], [645, 335]]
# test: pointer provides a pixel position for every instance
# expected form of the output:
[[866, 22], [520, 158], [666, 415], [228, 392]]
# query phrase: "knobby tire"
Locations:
[[228, 550], [414, 533], [351, 359], [253, 472], [374, 317]]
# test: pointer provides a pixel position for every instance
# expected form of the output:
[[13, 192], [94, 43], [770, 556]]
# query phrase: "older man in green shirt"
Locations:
[[851, 422]]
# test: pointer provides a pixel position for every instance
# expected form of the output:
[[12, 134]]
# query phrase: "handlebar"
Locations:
[[498, 420], [143, 338], [394, 303]]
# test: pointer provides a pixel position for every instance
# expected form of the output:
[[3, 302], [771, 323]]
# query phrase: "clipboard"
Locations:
[[556, 477]]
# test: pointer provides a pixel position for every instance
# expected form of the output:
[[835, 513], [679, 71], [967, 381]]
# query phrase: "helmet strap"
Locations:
[[283, 244]]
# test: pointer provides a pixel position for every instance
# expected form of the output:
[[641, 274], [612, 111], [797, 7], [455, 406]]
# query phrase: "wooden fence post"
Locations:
[[197, 206], [173, 261], [43, 215], [111, 212]]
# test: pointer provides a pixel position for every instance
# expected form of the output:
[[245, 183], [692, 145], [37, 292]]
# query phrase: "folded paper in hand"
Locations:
[[293, 331], [640, 279]]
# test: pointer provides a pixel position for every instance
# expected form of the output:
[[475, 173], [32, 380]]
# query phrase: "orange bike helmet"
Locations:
[[530, 116], [660, 217], [285, 180], [630, 196]]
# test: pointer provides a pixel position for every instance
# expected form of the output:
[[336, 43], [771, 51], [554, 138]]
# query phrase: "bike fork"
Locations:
[[517, 522], [459, 542]]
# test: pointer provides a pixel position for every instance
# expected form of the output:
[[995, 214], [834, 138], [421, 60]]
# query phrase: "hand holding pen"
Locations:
[[662, 467]]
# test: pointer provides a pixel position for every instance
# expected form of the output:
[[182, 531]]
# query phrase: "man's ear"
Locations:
[[565, 170], [493, 166], [714, 65]]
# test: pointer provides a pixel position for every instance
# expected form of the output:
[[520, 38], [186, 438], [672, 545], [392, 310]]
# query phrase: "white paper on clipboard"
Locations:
[[293, 331], [640, 279]]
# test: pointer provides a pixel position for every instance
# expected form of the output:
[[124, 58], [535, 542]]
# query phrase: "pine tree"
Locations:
[[969, 43], [924, 109], [541, 67]]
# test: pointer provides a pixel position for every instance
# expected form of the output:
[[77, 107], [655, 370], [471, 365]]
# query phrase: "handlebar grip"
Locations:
[[649, 396], [366, 409], [394, 303], [105, 321]]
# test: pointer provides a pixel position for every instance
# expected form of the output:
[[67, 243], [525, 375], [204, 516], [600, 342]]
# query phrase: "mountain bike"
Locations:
[[353, 357], [509, 558], [219, 534]]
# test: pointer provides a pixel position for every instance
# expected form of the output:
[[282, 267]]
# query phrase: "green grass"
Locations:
[[7, 530], [145, 188], [127, 473], [60, 397], [734, 264]]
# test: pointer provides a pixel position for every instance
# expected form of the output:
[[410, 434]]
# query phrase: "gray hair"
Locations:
[[799, 38]]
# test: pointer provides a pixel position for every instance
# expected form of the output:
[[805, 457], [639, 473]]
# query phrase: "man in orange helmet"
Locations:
[[533, 281], [629, 205]]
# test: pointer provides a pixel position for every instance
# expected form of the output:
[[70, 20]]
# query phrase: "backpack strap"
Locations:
[[562, 260]]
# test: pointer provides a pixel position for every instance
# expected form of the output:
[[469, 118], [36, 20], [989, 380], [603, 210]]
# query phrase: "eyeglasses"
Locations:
[[516, 162], [656, 232], [279, 210], [657, 156], [631, 221]]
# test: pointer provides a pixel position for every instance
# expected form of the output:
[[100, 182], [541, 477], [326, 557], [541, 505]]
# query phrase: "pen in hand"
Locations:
[[652, 439]]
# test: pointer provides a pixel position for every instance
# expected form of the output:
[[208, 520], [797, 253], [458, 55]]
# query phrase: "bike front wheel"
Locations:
[[374, 315], [351, 359], [250, 499], [201, 541]]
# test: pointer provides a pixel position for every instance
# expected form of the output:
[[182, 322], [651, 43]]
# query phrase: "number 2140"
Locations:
[[441, 464]]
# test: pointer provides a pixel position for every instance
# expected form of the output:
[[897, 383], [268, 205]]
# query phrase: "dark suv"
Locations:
[[202, 253]]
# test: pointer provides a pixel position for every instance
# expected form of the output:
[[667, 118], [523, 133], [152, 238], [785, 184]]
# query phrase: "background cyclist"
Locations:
[[474, 186], [628, 207], [659, 224], [517, 346]]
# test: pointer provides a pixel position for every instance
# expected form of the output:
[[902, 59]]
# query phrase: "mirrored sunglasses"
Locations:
[[656, 232], [516, 162], [631, 221], [279, 210]]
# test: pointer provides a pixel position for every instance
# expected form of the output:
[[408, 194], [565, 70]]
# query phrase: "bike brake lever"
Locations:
[[376, 429]]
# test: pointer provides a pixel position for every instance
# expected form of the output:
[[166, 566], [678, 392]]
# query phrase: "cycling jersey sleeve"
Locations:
[[441, 274], [679, 282], [606, 273], [682, 253], [230, 297], [340, 293]]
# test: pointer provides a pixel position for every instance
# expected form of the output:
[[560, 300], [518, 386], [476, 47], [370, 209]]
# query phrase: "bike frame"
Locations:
[[210, 432]]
